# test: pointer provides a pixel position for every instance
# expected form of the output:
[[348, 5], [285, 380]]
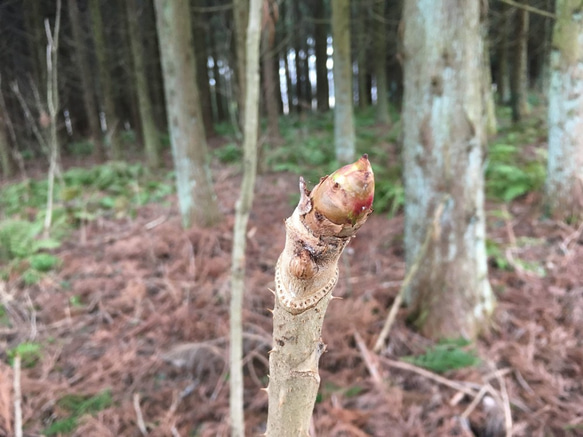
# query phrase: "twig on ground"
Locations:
[[369, 360], [475, 402], [17, 398], [432, 234], [456, 385], [573, 236], [156, 222], [139, 416], [505, 404]]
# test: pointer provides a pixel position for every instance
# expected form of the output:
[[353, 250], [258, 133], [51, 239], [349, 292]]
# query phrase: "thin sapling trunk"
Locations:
[[321, 226]]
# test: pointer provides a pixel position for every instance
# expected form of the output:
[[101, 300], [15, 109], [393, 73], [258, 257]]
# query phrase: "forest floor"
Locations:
[[134, 326]]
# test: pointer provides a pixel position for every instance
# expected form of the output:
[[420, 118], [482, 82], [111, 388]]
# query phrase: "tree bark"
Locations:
[[519, 76], [269, 20], [220, 101], [197, 200], [202, 73], [243, 209], [443, 140], [149, 131], [487, 92], [82, 58], [564, 184], [298, 45], [361, 40], [380, 64], [241, 18], [107, 96], [321, 48], [6, 163], [503, 77], [343, 112]]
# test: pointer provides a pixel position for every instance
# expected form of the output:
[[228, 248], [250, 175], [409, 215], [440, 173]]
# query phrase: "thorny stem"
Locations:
[[321, 226]]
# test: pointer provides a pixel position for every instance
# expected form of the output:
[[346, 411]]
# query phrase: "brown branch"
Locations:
[[530, 9]]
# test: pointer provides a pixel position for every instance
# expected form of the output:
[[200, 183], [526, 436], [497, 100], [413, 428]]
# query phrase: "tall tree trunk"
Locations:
[[545, 55], [107, 96], [519, 77], [241, 17], [85, 71], [220, 100], [321, 47], [503, 77], [379, 59], [443, 140], [487, 92], [196, 196], [298, 45], [243, 209], [202, 72], [6, 164], [153, 65], [361, 38], [149, 131], [270, 17], [33, 22], [564, 185], [343, 112], [291, 97]]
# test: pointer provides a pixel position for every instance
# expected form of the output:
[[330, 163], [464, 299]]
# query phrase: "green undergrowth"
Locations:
[[113, 190], [516, 162], [446, 355], [73, 407], [29, 352]]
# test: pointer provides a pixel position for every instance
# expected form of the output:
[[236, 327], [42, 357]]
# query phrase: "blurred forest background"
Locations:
[[116, 221]]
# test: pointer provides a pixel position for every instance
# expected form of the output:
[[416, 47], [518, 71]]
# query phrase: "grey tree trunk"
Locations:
[[503, 79], [564, 184], [362, 43], [106, 94], [443, 140], [197, 200], [488, 94], [149, 131], [202, 73], [6, 164], [243, 209], [343, 111], [82, 58], [321, 46], [519, 76], [269, 20], [241, 17], [379, 59]]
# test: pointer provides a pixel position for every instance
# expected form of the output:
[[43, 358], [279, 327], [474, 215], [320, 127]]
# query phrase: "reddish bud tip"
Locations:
[[345, 197]]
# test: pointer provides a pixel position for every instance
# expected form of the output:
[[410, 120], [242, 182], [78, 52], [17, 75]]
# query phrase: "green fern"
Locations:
[[446, 355], [78, 406]]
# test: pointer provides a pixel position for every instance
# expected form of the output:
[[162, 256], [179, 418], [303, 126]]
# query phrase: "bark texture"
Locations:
[[106, 94], [6, 164], [380, 65], [321, 47], [443, 156], [519, 77], [564, 184], [343, 111], [149, 131], [307, 270], [243, 209], [82, 58], [197, 200]]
